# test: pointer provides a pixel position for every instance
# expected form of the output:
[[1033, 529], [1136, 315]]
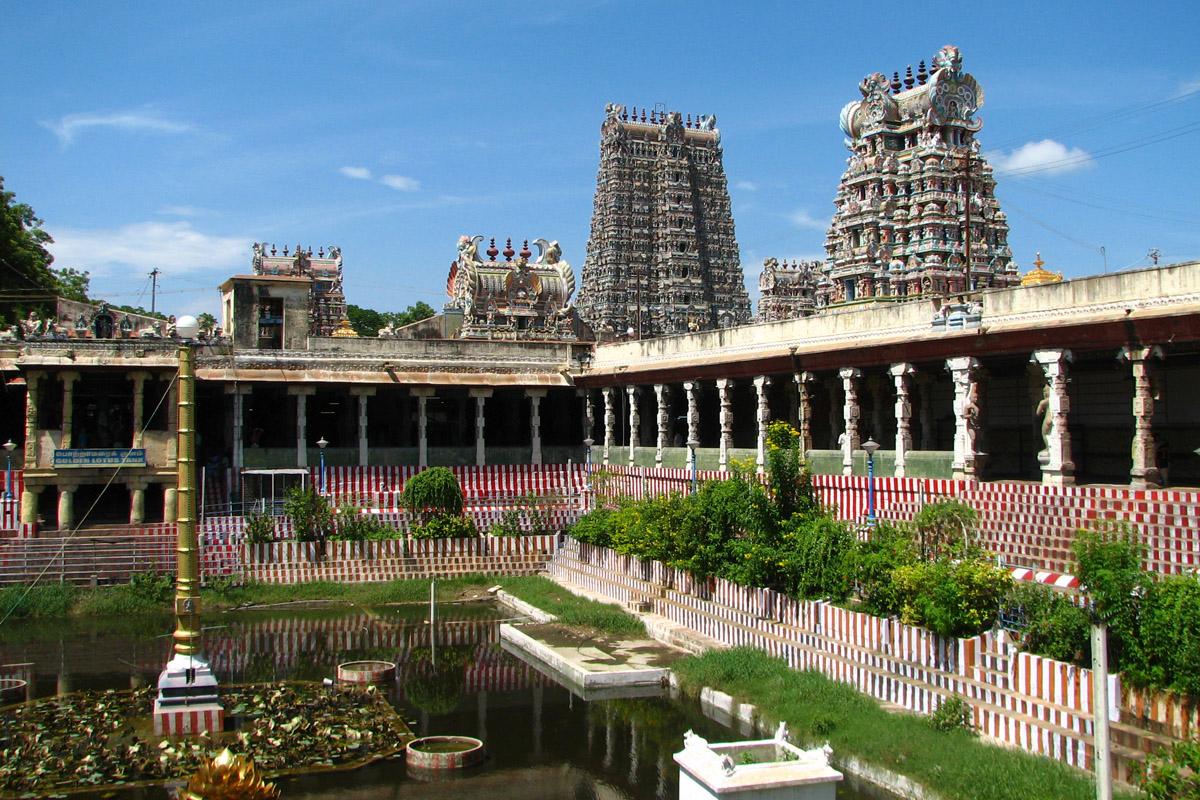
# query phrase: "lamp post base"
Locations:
[[187, 702]]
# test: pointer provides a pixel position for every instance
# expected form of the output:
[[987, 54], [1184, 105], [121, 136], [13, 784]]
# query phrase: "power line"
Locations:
[[1130, 212], [1133, 144]]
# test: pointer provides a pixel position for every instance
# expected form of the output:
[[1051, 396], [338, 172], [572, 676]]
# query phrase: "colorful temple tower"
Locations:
[[662, 257], [916, 208], [327, 303]]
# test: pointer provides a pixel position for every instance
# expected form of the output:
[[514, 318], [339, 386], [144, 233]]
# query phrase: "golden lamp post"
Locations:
[[187, 701]]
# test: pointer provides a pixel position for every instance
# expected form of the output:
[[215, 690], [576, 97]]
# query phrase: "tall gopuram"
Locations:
[[900, 228], [327, 303], [662, 257]]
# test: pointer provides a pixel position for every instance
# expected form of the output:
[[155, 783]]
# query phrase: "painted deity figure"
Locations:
[[1042, 412]]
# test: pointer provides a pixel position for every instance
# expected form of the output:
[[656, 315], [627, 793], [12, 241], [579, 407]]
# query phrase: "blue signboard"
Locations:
[[101, 457]]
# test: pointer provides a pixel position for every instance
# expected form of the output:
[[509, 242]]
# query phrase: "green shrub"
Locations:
[[816, 558], [353, 525], [1049, 623], [1172, 774], [651, 528], [788, 476], [528, 517], [1168, 652], [1110, 571], [446, 527], [42, 600], [157, 588], [310, 513], [721, 514], [593, 527], [952, 598], [873, 562], [260, 528], [945, 528], [432, 492], [954, 714]]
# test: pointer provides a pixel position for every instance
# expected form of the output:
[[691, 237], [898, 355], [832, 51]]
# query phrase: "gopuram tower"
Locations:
[[917, 213], [662, 257]]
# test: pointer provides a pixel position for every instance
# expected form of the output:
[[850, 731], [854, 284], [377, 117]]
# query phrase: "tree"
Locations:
[[368, 321], [25, 277], [207, 321], [73, 284]]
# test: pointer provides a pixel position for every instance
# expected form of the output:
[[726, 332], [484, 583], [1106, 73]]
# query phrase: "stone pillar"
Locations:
[[137, 503], [170, 504], [66, 507], [761, 384], [481, 395], [726, 419], [301, 393], [610, 421], [662, 393], [835, 416], [238, 391], [693, 411], [850, 414], [139, 401], [804, 409], [925, 410], [173, 425], [964, 375], [422, 393], [362, 393], [1057, 467], [68, 409], [29, 506], [902, 376], [589, 413], [635, 421], [32, 381], [535, 423], [1145, 471]]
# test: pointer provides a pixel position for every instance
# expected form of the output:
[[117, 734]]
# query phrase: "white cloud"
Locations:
[[68, 128], [400, 183], [1046, 156], [802, 219], [171, 246], [358, 173], [186, 211], [746, 186]]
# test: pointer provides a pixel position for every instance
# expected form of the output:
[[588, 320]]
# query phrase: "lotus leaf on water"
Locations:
[[92, 739]]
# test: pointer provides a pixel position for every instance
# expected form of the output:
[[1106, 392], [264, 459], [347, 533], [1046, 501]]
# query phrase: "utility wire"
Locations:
[[1133, 144], [83, 519]]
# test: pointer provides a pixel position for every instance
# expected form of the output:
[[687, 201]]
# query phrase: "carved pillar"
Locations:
[[238, 424], [170, 504], [535, 424], [362, 393], [925, 410], [481, 396], [68, 409], [693, 410], [964, 375], [301, 393], [761, 384], [1057, 467], [1145, 471], [804, 381], [901, 375], [139, 402], [850, 414], [635, 421], [422, 393], [66, 507], [835, 416], [663, 394], [137, 503], [173, 427], [589, 413], [610, 421], [32, 384], [726, 419]]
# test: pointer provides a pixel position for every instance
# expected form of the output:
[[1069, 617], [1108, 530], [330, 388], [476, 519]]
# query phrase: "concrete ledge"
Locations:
[[576, 671], [521, 607]]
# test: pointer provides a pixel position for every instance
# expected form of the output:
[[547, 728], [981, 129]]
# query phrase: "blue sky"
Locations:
[[173, 135]]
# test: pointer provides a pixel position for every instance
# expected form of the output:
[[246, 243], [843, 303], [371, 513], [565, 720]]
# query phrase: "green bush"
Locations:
[[872, 564], [945, 528], [353, 525], [816, 558], [260, 528], [310, 513], [157, 588], [1049, 623], [1110, 571], [1168, 651], [446, 527], [954, 714], [432, 492], [42, 600], [788, 476], [593, 528], [1172, 774], [527, 517], [651, 528], [952, 598], [724, 514]]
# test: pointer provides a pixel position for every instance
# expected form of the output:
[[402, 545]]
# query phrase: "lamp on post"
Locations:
[[692, 445], [187, 701], [9, 446], [870, 446], [587, 471], [322, 444]]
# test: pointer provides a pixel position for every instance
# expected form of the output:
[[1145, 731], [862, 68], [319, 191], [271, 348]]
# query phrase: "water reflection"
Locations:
[[544, 740]]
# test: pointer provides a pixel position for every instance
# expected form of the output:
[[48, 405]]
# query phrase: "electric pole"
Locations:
[[153, 288]]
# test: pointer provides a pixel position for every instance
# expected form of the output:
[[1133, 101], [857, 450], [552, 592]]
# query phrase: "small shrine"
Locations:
[[1039, 275], [517, 298]]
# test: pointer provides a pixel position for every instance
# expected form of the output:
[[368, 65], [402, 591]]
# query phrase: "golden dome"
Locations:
[[344, 331], [1036, 276]]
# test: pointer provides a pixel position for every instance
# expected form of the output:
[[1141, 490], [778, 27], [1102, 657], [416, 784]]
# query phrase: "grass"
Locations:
[[954, 764], [571, 609]]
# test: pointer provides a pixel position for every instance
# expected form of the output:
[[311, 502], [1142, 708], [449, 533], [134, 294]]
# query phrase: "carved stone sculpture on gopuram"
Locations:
[[916, 209], [327, 302], [662, 256], [787, 290], [515, 298]]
